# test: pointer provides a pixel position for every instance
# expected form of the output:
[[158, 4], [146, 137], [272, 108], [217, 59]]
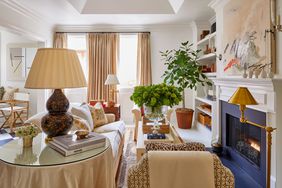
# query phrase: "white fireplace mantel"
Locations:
[[268, 93], [263, 90]]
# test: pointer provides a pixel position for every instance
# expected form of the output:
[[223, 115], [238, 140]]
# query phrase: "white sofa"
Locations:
[[113, 130]]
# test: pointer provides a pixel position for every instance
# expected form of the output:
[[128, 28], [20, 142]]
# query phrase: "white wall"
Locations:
[[166, 38], [8, 38]]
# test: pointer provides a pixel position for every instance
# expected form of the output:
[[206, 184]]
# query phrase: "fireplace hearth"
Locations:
[[243, 143]]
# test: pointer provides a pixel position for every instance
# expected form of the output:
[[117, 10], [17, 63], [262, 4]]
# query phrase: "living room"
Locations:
[[124, 79]]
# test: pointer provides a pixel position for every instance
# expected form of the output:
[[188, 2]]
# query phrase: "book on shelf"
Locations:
[[67, 152], [69, 142]]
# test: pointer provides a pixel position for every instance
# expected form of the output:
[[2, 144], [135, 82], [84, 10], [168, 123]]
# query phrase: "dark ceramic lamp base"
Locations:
[[58, 121]]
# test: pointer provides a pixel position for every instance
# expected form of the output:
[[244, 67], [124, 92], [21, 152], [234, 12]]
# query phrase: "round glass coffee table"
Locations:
[[41, 166]]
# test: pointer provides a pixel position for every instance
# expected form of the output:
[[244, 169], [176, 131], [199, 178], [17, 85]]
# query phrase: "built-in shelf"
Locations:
[[204, 126], [205, 100], [211, 57], [204, 111], [210, 74], [206, 40]]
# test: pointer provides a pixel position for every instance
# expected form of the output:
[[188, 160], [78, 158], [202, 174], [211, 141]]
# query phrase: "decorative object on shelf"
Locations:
[[246, 44], [257, 72], [112, 81], [204, 34], [263, 73], [184, 70], [27, 132], [56, 68], [275, 19], [270, 73], [245, 75], [156, 99], [243, 97], [251, 73]]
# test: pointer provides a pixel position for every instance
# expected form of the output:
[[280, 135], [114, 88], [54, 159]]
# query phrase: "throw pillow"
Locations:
[[9, 93], [98, 115], [83, 113], [80, 124], [2, 91]]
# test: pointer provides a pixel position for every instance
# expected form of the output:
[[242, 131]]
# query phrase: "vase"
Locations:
[[27, 141], [155, 114]]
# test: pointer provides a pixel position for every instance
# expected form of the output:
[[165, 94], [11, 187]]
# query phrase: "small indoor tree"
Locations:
[[184, 71]]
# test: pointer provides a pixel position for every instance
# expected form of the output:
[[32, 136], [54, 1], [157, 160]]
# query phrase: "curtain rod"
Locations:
[[107, 32]]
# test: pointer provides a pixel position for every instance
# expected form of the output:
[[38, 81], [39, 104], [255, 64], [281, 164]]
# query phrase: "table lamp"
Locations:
[[111, 80], [56, 68], [243, 97]]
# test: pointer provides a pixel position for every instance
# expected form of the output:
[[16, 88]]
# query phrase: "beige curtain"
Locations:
[[103, 57], [60, 40], [144, 71]]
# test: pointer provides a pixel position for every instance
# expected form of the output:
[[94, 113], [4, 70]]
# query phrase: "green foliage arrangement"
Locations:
[[183, 68], [156, 95]]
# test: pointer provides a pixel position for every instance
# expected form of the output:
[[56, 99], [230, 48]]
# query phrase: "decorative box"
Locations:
[[147, 129], [204, 119]]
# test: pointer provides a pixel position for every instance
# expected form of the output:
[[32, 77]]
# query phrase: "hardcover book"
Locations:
[[70, 141], [66, 152]]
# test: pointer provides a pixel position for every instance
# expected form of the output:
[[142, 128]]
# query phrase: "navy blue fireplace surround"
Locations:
[[243, 143]]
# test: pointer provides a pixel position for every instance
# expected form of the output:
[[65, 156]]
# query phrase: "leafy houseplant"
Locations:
[[184, 71], [155, 99], [156, 95]]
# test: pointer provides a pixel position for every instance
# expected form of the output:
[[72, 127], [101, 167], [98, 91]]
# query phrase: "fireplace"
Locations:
[[244, 143]]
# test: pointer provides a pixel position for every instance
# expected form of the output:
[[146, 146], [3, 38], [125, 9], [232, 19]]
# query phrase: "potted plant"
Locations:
[[183, 70], [27, 132], [155, 99]]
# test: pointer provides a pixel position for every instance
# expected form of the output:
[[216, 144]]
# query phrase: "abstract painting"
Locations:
[[16, 64], [245, 41]]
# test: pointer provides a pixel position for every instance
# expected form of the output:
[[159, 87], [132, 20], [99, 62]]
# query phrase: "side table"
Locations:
[[113, 110]]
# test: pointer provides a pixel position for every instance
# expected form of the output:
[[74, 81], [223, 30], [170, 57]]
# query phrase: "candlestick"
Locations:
[[273, 11]]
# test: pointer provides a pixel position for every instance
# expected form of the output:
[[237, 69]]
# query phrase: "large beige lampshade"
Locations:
[[55, 68]]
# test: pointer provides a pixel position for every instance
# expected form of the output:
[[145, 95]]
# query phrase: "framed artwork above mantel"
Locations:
[[246, 41]]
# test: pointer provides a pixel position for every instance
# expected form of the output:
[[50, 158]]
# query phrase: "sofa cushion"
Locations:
[[84, 113], [98, 115], [118, 126], [9, 93], [80, 124]]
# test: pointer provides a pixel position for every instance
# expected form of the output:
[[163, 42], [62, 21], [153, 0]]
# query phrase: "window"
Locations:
[[127, 67], [78, 42]]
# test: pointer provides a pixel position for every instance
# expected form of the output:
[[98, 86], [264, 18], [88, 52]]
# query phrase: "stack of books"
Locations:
[[68, 144]]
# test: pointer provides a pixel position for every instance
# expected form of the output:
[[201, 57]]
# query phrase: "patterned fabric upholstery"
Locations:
[[138, 175], [191, 146]]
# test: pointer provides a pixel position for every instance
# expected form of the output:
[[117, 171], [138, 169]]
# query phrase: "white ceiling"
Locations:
[[127, 6], [62, 12]]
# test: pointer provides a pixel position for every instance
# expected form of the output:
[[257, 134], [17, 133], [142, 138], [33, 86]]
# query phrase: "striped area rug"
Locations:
[[128, 158]]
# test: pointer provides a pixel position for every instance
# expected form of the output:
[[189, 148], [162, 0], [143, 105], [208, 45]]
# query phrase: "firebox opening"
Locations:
[[244, 138]]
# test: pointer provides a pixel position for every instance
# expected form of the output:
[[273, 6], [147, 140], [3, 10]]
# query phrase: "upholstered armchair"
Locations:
[[137, 117], [138, 175]]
